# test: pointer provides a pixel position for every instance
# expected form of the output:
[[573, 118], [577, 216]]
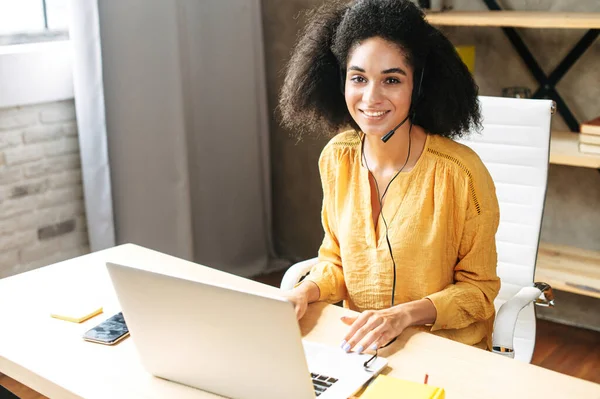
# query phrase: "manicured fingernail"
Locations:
[[359, 349], [346, 347], [374, 347], [343, 344]]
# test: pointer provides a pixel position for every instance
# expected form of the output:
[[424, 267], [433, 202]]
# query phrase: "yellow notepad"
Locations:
[[385, 387], [76, 312]]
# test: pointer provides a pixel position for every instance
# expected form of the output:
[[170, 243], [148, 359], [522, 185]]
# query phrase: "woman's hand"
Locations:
[[372, 329], [301, 296], [299, 300]]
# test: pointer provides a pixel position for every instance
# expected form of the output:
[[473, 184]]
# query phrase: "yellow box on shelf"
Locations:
[[467, 55], [385, 387]]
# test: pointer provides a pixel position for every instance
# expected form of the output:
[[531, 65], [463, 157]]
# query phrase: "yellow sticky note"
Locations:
[[467, 55], [76, 312], [385, 387]]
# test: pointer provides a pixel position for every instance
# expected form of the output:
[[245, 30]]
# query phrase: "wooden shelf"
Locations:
[[569, 269], [564, 150], [518, 19]]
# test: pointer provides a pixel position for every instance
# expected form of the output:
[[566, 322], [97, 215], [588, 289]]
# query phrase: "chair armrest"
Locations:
[[506, 319], [295, 273]]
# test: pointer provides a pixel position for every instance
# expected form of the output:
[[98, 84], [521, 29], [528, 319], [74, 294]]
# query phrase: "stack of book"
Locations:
[[589, 138]]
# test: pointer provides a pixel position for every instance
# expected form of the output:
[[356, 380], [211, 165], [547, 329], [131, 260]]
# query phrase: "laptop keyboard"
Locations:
[[321, 382]]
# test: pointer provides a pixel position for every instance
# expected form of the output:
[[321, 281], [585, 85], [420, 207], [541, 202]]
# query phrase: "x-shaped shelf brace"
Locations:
[[547, 83]]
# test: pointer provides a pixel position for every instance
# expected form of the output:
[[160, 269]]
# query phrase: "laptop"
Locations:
[[230, 342]]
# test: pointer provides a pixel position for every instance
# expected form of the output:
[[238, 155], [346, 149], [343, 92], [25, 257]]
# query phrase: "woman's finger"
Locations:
[[356, 324], [371, 324], [360, 321], [371, 339]]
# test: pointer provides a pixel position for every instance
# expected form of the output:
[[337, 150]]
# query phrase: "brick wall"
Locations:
[[42, 218]]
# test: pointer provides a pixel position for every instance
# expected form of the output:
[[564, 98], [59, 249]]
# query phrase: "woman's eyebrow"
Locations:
[[356, 68], [394, 70], [384, 72]]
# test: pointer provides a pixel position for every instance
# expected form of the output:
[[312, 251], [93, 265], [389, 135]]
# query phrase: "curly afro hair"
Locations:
[[311, 99]]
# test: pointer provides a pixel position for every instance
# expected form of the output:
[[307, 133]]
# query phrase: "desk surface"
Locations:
[[49, 355]]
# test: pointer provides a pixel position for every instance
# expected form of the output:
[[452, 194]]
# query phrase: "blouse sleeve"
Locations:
[[471, 297]]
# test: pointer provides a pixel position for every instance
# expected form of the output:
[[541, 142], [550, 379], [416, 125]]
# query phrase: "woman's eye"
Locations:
[[358, 79], [392, 81]]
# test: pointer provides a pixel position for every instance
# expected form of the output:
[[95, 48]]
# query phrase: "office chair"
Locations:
[[514, 146]]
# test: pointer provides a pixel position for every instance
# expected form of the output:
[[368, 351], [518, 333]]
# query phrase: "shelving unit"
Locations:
[[564, 150], [516, 19], [564, 267], [569, 269], [508, 20]]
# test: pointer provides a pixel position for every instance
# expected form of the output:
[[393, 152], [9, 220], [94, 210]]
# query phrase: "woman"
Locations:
[[409, 215]]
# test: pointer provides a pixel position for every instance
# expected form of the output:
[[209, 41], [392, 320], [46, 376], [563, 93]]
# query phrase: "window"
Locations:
[[29, 21]]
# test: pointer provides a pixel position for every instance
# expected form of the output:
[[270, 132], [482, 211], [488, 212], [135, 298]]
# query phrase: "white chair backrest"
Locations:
[[515, 146]]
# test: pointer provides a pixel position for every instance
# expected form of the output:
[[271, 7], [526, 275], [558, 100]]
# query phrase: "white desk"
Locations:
[[49, 355]]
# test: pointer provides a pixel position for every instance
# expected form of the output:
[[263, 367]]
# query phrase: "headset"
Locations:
[[412, 112]]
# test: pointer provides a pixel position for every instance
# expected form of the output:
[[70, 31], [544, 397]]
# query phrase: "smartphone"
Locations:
[[109, 332]]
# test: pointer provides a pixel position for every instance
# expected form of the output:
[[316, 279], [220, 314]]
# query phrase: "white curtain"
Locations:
[[186, 127], [89, 103]]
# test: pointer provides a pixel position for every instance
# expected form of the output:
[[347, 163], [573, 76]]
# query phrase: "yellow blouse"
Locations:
[[442, 218]]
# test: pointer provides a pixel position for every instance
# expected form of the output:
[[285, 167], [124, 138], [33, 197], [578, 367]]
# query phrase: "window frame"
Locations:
[[45, 35]]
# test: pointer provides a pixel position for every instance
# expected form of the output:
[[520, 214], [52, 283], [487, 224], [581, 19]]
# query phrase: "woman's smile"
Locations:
[[374, 115]]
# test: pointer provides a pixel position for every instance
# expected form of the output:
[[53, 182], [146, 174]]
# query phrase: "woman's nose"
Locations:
[[372, 94]]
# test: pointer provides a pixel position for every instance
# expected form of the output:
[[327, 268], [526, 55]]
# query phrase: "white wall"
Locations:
[[42, 218], [35, 73]]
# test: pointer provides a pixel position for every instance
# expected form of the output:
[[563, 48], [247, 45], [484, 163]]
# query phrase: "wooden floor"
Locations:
[[568, 350]]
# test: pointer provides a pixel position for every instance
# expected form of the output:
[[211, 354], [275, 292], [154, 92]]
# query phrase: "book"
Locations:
[[589, 148], [591, 126], [386, 387], [589, 138]]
